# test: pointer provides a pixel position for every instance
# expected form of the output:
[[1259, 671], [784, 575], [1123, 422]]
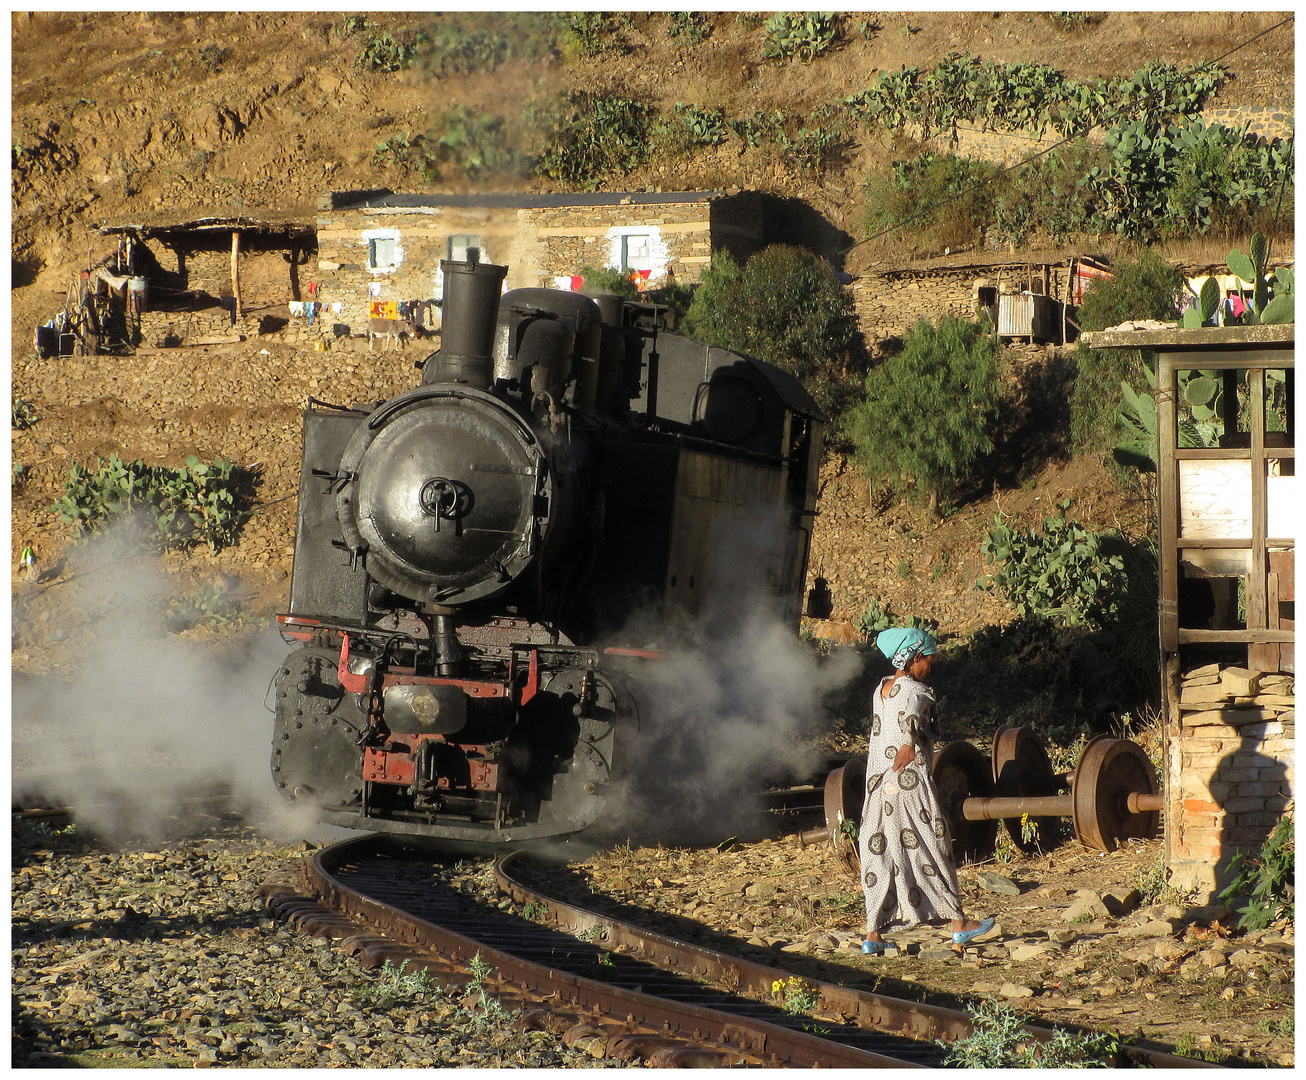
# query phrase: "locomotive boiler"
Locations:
[[472, 556]]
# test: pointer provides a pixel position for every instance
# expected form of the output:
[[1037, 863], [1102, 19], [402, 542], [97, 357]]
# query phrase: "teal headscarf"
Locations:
[[902, 644]]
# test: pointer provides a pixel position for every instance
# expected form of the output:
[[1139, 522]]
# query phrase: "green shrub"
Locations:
[[999, 1041], [1063, 574], [211, 58], [693, 26], [1266, 880], [604, 279], [928, 409], [700, 127], [1044, 197], [382, 52], [800, 36], [946, 199], [1143, 288], [786, 306], [22, 415], [214, 604], [596, 135], [594, 33], [474, 145], [816, 147], [759, 127], [179, 507]]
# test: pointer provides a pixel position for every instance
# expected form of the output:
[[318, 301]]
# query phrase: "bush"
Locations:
[[801, 36], [382, 52], [1144, 288], [179, 506], [594, 33], [1266, 880], [1063, 574], [604, 279], [999, 1041], [693, 26], [927, 410], [596, 135], [786, 306], [946, 199], [472, 144]]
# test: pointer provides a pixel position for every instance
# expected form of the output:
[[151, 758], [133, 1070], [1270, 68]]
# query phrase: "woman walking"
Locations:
[[907, 872]]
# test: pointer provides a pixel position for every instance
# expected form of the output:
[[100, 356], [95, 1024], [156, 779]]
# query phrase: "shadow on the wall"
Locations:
[[271, 324], [794, 221]]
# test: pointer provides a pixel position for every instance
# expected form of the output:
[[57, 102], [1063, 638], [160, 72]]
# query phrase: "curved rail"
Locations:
[[608, 1020], [609, 987], [860, 1008]]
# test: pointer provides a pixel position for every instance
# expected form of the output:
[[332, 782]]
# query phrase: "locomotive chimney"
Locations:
[[471, 308]]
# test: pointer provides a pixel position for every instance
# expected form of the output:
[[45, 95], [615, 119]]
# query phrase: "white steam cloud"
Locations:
[[726, 708], [151, 726]]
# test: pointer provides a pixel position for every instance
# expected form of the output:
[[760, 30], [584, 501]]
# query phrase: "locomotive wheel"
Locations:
[[845, 793], [1108, 773], [961, 771], [1021, 769], [315, 738]]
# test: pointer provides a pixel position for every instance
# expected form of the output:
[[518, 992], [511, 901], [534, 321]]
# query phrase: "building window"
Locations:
[[638, 248], [461, 244], [383, 249], [636, 252]]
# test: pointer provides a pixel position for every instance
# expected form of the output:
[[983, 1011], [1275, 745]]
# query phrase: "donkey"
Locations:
[[389, 330]]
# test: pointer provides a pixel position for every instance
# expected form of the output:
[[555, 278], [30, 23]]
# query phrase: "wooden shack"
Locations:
[[1227, 490]]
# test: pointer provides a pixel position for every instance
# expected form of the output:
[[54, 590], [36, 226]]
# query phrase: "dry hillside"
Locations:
[[129, 118]]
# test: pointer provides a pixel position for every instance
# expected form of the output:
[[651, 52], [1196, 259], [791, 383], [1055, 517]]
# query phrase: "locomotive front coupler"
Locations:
[[449, 654]]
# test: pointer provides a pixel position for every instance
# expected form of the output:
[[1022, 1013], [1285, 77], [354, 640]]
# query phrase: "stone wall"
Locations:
[[890, 303], [1229, 769]]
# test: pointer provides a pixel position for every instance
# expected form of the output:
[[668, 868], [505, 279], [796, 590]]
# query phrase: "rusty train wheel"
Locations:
[[1108, 773], [845, 792], [961, 772], [1021, 769]]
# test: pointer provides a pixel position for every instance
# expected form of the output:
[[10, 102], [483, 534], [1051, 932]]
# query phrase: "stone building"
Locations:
[[377, 248]]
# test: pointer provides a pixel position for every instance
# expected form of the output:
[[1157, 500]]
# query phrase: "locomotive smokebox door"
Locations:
[[448, 495]]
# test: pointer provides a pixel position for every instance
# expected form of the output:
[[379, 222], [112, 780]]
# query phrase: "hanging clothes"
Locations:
[[296, 307]]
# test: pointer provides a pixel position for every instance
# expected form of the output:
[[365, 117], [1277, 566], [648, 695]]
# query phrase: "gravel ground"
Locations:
[[160, 955]]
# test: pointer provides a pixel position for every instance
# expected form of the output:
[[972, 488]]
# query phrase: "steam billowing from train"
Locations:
[[483, 562]]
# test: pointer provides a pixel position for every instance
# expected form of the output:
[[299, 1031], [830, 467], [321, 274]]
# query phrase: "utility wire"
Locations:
[[977, 185]]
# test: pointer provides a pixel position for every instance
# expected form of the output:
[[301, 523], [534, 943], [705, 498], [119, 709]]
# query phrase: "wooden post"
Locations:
[[235, 273]]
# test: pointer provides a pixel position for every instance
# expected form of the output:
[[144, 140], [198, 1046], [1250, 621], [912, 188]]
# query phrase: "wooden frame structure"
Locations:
[[1192, 534]]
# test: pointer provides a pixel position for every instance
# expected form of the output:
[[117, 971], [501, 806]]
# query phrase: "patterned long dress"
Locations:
[[908, 876]]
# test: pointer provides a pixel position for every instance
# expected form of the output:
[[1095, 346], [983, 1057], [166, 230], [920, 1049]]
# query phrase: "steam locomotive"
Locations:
[[474, 557]]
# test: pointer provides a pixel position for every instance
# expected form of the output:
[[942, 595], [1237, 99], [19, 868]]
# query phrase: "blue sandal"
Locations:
[[963, 937], [874, 948]]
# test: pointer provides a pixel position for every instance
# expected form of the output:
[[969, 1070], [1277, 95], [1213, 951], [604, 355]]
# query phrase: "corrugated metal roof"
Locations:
[[514, 201]]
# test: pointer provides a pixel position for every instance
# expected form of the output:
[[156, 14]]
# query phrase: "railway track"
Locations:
[[611, 988]]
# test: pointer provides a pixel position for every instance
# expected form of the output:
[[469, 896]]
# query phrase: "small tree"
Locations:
[[786, 306], [1142, 288], [927, 409]]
